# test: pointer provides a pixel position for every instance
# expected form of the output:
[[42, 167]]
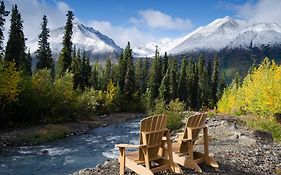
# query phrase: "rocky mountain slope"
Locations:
[[96, 45], [220, 34]]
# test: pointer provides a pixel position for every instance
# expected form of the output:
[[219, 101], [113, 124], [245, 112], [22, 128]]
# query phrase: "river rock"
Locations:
[[263, 136], [247, 141]]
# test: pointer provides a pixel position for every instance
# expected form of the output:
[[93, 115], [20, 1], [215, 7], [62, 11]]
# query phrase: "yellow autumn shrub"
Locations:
[[259, 94], [10, 80]]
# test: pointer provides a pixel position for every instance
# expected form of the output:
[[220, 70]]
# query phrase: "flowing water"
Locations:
[[70, 154]]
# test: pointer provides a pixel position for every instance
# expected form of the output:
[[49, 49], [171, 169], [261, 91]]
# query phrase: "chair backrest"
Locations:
[[152, 130], [197, 120]]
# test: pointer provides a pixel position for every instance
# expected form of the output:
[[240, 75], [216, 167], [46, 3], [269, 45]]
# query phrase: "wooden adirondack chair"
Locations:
[[183, 152], [154, 152]]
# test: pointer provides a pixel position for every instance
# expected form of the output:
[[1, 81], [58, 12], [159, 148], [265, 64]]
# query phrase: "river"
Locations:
[[71, 154]]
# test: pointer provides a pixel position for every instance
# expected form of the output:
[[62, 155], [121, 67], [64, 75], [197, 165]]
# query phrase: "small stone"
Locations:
[[247, 141]]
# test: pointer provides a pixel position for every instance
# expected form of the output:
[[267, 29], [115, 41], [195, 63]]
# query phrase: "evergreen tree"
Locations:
[[95, 81], [155, 75], [122, 69], [182, 85], [194, 87], [27, 64], [15, 49], [76, 70], [202, 82], [189, 78], [44, 53], [138, 74], [215, 82], [3, 15], [129, 87], [145, 74], [222, 85], [164, 89], [65, 58], [173, 78], [237, 80], [107, 73], [165, 63], [85, 71]]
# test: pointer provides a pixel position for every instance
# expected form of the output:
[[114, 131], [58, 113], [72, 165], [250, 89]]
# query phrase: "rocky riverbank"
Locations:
[[44, 133], [237, 149]]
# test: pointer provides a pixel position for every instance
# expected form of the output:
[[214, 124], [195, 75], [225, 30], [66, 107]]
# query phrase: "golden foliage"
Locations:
[[259, 94], [10, 80]]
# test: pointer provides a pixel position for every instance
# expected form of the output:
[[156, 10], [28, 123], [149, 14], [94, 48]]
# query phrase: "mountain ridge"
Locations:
[[96, 44], [219, 34]]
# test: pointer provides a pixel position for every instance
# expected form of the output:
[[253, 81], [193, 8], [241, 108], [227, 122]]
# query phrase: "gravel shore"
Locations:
[[237, 149]]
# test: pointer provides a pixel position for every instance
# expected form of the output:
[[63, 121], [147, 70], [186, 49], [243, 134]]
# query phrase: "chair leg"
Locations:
[[208, 160], [122, 160]]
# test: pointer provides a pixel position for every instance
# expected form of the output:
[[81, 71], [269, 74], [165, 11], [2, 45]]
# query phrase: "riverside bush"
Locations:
[[173, 110], [260, 92]]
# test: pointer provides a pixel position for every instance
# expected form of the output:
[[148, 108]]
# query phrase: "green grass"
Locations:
[[47, 133], [268, 124]]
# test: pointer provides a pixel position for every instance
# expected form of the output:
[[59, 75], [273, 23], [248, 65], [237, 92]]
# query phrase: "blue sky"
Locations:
[[143, 21]]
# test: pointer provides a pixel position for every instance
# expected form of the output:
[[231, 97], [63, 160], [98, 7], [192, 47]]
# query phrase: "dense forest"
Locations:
[[73, 88]]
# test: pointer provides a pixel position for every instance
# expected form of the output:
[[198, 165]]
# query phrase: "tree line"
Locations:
[[129, 85]]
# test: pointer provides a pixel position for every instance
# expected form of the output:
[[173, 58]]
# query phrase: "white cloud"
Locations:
[[260, 11], [121, 35], [157, 19], [63, 7], [32, 12]]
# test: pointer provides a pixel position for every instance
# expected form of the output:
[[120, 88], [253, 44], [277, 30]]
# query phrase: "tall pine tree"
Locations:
[[155, 75], [76, 69], [164, 89], [44, 54], [65, 58], [215, 82], [129, 87], [182, 85], [173, 70], [15, 49]]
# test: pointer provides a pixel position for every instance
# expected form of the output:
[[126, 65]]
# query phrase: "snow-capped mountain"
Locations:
[[85, 38], [221, 33]]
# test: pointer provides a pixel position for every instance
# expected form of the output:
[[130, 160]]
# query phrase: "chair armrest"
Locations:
[[128, 146], [183, 140], [200, 127]]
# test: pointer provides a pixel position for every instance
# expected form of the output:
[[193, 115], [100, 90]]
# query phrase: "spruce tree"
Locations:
[[215, 82], [44, 54], [65, 58], [3, 15], [155, 75], [194, 88], [145, 74], [76, 70], [165, 63], [15, 49], [182, 85], [129, 87], [189, 78], [164, 89], [138, 74], [85, 71], [107, 74], [173, 78], [27, 64], [237, 80], [222, 85], [122, 69], [95, 80], [202, 82]]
